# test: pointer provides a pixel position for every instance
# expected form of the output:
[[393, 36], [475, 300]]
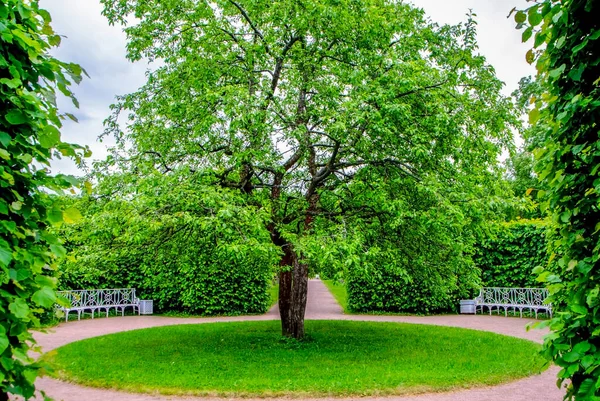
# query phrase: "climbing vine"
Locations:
[[29, 139], [566, 51]]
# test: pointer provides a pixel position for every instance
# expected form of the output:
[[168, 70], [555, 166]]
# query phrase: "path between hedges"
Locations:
[[321, 305]]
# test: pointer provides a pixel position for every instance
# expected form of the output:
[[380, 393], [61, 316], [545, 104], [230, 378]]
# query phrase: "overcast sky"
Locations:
[[100, 49]]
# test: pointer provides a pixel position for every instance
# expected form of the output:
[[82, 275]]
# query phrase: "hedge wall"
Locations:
[[509, 258], [191, 249], [388, 291]]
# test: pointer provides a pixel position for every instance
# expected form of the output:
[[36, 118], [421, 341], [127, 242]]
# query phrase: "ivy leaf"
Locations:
[[5, 253], [58, 250], [534, 17], [16, 117], [4, 139], [19, 308], [45, 297], [3, 341]]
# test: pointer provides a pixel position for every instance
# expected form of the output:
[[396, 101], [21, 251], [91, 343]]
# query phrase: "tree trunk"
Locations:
[[293, 288], [293, 280]]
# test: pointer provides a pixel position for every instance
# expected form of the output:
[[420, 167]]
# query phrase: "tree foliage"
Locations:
[[29, 138], [567, 55], [291, 102]]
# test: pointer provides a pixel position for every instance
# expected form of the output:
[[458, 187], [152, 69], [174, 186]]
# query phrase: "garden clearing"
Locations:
[[339, 358]]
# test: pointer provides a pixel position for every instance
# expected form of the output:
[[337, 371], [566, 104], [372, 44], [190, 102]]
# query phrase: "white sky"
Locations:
[[100, 49]]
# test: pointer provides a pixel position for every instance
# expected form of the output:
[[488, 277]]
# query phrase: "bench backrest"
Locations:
[[513, 296], [95, 298]]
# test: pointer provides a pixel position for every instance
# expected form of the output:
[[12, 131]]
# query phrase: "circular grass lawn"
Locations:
[[338, 358]]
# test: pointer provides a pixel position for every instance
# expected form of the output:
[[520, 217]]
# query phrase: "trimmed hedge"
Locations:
[[509, 258], [191, 250], [387, 291]]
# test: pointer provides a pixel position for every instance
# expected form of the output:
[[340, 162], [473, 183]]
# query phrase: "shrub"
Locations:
[[190, 249]]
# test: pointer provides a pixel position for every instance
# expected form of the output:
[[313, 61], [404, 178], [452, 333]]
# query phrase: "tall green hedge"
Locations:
[[508, 259], [189, 248]]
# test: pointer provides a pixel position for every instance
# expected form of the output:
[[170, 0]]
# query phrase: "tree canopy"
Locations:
[[299, 105]]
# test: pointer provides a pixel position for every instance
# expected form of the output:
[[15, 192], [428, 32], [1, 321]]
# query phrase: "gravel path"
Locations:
[[321, 305]]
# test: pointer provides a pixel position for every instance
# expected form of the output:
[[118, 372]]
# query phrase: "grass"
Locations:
[[339, 292], [339, 358]]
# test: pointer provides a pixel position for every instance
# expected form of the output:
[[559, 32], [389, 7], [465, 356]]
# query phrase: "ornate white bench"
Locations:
[[532, 299], [99, 300]]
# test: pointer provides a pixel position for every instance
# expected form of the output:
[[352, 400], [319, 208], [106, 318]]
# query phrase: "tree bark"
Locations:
[[293, 287], [293, 281]]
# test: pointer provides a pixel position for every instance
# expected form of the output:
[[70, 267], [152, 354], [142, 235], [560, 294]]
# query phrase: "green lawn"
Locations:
[[339, 293], [339, 358]]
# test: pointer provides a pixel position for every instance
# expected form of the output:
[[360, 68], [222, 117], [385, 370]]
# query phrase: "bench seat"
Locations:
[[102, 300], [507, 298]]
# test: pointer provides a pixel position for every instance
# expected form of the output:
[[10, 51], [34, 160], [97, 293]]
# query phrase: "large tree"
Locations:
[[289, 101]]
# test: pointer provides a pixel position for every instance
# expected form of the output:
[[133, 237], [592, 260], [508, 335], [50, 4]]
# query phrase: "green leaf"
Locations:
[[530, 56], [539, 39], [5, 253], [4, 139], [45, 297], [55, 216], [72, 215], [19, 308], [3, 341], [534, 17], [50, 137], [582, 347], [580, 309], [16, 117], [520, 17], [534, 116], [58, 250], [557, 71], [526, 35], [571, 357]]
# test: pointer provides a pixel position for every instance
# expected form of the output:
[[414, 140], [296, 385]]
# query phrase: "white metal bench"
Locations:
[[532, 299], [81, 301]]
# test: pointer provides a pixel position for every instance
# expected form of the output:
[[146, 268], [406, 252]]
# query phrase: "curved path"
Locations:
[[321, 305]]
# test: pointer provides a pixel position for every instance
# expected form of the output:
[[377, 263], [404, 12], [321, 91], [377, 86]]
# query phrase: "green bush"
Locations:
[[190, 249], [508, 259], [392, 290]]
